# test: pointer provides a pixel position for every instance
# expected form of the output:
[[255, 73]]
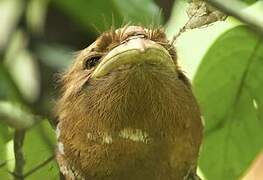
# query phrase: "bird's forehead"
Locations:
[[110, 39], [124, 32], [130, 30]]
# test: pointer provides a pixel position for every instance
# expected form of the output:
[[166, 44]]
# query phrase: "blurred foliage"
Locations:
[[250, 1], [16, 116], [232, 106], [39, 142], [101, 15], [38, 39]]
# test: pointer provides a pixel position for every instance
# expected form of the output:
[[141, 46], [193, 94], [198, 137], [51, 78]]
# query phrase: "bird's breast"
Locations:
[[136, 123]]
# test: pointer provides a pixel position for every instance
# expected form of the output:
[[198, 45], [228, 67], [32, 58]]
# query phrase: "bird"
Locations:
[[126, 111]]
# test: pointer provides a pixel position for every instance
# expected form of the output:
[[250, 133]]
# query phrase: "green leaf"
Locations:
[[10, 12], [228, 86], [36, 15], [249, 1], [8, 88], [3, 83], [5, 134], [15, 115], [22, 66], [55, 56], [5, 137], [38, 147], [102, 14]]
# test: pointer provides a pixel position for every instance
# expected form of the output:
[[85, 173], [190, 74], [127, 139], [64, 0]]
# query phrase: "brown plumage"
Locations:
[[128, 114]]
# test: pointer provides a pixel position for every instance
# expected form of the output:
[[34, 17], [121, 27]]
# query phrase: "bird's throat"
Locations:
[[132, 95]]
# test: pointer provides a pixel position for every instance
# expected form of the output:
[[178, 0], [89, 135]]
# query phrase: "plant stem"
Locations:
[[19, 157]]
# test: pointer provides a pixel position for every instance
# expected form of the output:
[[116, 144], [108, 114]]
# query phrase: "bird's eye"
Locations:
[[92, 62]]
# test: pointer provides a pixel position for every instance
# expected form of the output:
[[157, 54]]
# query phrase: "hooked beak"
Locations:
[[134, 51]]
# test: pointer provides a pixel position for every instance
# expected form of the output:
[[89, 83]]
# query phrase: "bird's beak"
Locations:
[[134, 51]]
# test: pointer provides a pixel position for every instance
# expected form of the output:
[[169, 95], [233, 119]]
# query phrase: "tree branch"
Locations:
[[233, 8], [19, 158]]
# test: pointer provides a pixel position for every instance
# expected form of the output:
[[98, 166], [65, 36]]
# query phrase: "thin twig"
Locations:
[[2, 164], [183, 29], [233, 8], [15, 175], [38, 167], [19, 158]]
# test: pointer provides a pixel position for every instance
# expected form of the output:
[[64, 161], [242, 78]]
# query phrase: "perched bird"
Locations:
[[127, 111]]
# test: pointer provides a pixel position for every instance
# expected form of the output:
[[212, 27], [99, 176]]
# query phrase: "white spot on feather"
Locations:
[[63, 169], [107, 139], [89, 136], [57, 131], [61, 148], [135, 135], [71, 172]]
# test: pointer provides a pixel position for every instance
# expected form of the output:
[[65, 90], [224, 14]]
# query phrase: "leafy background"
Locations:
[[38, 39]]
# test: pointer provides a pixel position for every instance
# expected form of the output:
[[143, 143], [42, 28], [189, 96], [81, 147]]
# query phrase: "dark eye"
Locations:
[[92, 62]]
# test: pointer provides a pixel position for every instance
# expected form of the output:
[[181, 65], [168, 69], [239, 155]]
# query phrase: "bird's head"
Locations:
[[126, 108], [120, 67]]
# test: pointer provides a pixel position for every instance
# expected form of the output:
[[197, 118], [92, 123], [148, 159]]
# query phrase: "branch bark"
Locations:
[[19, 157], [233, 8]]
